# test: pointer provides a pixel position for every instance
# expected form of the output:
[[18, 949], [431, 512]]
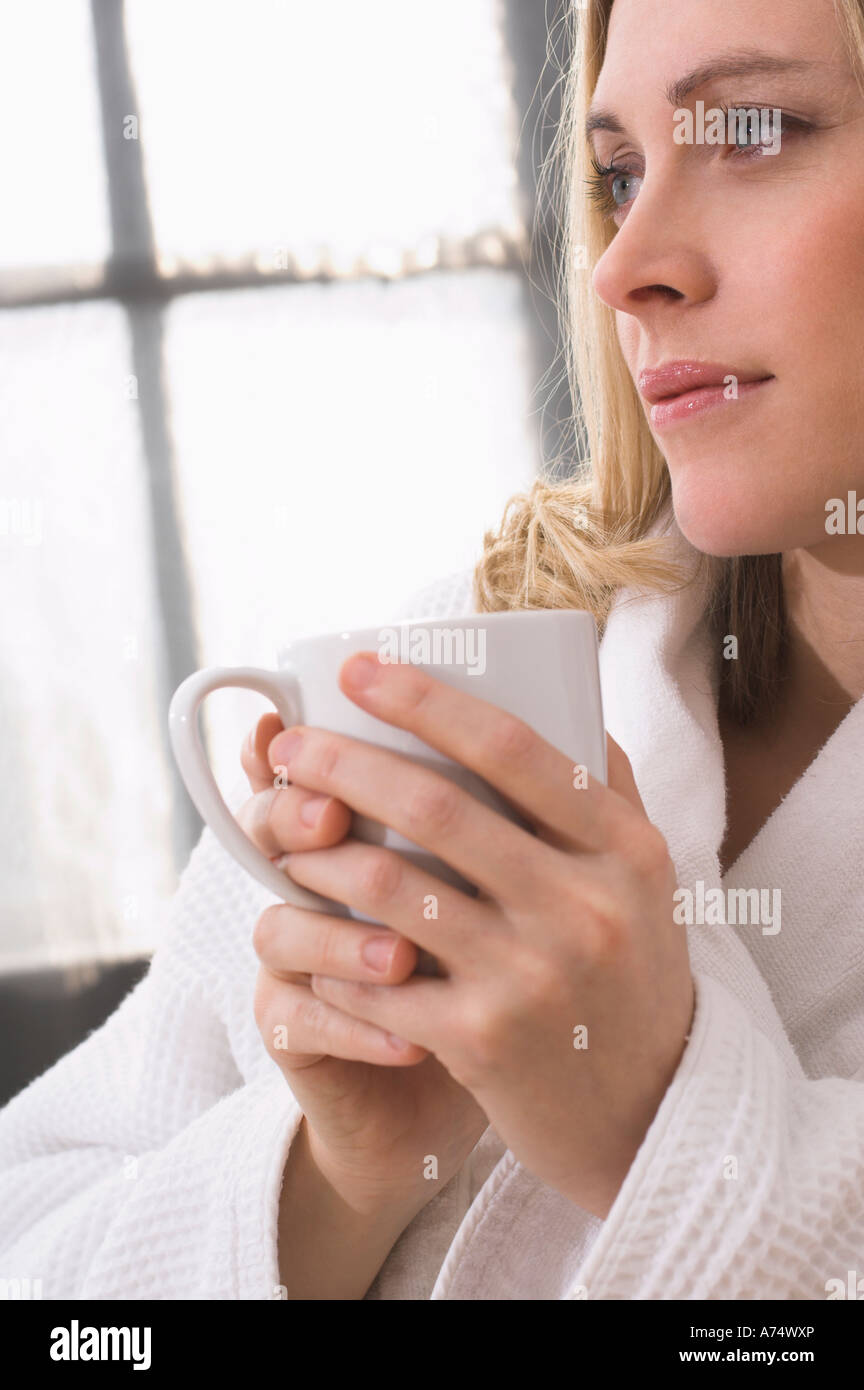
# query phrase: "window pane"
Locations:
[[85, 851], [55, 209], [283, 124], [338, 447]]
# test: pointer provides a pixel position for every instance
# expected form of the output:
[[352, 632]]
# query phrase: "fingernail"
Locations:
[[378, 952], [398, 1044], [361, 671], [312, 810]]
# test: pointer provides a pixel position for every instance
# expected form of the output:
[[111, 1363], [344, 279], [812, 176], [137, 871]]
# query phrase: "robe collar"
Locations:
[[658, 676]]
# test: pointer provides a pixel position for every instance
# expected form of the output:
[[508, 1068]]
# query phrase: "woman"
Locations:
[[442, 1137]]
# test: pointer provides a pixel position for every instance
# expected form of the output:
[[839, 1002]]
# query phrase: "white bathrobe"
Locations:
[[147, 1163]]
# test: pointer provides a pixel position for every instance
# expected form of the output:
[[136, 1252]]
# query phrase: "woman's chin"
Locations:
[[724, 510], [720, 529]]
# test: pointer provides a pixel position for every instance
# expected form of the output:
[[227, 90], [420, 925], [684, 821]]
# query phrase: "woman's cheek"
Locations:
[[826, 333], [627, 329]]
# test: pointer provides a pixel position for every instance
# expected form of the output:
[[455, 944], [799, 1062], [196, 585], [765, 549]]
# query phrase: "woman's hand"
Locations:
[[374, 1111], [568, 995]]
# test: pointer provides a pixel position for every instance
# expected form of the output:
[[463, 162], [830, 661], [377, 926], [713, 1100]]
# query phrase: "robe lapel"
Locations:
[[660, 704], [810, 851]]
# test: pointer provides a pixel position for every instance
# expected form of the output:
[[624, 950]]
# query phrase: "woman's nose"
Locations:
[[657, 254]]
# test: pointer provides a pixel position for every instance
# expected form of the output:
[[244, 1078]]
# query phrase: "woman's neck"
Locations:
[[824, 597], [824, 679]]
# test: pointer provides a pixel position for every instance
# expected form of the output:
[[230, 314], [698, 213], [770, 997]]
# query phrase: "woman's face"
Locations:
[[748, 261]]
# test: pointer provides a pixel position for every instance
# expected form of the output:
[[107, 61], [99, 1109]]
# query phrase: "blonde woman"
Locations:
[[441, 1137]]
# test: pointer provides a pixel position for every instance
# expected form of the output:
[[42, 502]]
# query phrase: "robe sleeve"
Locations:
[[749, 1183], [147, 1163], [144, 1164]]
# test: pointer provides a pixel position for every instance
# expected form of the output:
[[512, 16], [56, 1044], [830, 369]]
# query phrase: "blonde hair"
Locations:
[[573, 544]]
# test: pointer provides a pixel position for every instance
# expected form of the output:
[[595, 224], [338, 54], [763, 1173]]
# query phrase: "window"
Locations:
[[271, 363]]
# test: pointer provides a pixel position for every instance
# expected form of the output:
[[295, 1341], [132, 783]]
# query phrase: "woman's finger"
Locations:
[[551, 792], [289, 939], [427, 808], [281, 819], [620, 774], [419, 1008], [384, 885], [253, 754], [298, 1030]]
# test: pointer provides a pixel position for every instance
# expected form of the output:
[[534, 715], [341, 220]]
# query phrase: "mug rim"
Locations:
[[464, 619]]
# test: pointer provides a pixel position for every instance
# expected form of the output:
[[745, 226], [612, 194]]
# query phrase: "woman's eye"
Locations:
[[624, 188], [751, 139], [765, 133]]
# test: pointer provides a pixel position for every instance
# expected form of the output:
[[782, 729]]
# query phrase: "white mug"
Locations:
[[539, 664]]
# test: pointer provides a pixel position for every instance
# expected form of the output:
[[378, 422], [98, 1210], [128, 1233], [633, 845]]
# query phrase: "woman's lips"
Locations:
[[681, 390], [673, 409]]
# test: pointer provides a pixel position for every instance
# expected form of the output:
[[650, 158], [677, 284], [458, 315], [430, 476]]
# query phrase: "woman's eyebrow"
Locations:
[[741, 64]]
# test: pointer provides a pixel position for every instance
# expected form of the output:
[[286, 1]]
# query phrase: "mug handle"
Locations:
[[201, 784]]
